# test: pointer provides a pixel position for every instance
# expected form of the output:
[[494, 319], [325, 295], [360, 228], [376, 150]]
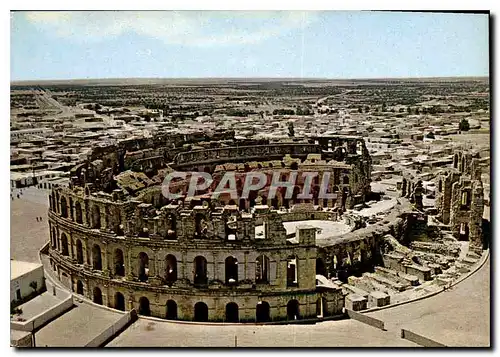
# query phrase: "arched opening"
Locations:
[[64, 245], [96, 217], [78, 212], [79, 251], [263, 312], [79, 287], [144, 306], [64, 207], [345, 180], [294, 166], [231, 265], [262, 269], [455, 161], [143, 273], [172, 227], [464, 232], [200, 270], [119, 301], [320, 267], [171, 310], [440, 185], [97, 296], [232, 312], [119, 265], [200, 226], [170, 269], [291, 272], [201, 312], [292, 310], [96, 257]]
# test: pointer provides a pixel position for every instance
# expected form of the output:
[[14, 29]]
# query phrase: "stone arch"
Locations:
[[79, 251], [78, 213], [96, 257], [119, 301], [231, 270], [262, 269], [144, 308], [171, 310], [79, 287], [170, 269], [232, 314], [97, 296], [64, 245], [200, 270], [262, 312], [96, 217], [119, 262], [201, 312], [292, 310], [64, 207], [143, 273]]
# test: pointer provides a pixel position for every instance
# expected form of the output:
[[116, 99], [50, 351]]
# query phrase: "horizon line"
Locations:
[[246, 78]]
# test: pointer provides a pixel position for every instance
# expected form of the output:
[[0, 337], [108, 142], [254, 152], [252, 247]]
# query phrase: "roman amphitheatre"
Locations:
[[116, 240]]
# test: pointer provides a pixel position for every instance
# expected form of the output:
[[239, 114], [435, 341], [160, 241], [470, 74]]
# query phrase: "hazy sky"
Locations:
[[327, 44]]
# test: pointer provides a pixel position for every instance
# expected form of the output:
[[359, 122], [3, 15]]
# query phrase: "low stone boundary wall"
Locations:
[[419, 340], [113, 330], [43, 317], [25, 340], [365, 319], [308, 215]]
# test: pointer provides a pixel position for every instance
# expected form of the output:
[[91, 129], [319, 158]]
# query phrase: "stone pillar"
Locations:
[[86, 258], [70, 243], [104, 220], [215, 270], [105, 266], [250, 271], [129, 274], [183, 269]]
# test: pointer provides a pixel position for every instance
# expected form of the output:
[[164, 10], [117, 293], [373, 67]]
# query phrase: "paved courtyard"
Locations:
[[459, 317], [77, 327], [343, 333], [27, 235], [39, 304]]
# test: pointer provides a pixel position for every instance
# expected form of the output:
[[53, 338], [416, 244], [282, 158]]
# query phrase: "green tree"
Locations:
[[291, 131], [464, 125]]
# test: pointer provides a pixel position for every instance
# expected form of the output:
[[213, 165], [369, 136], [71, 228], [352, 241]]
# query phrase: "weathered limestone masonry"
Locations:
[[460, 200], [118, 241]]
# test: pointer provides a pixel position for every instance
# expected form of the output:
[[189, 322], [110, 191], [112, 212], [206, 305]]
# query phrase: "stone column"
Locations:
[[104, 220], [105, 267], [129, 274], [86, 258], [70, 243]]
